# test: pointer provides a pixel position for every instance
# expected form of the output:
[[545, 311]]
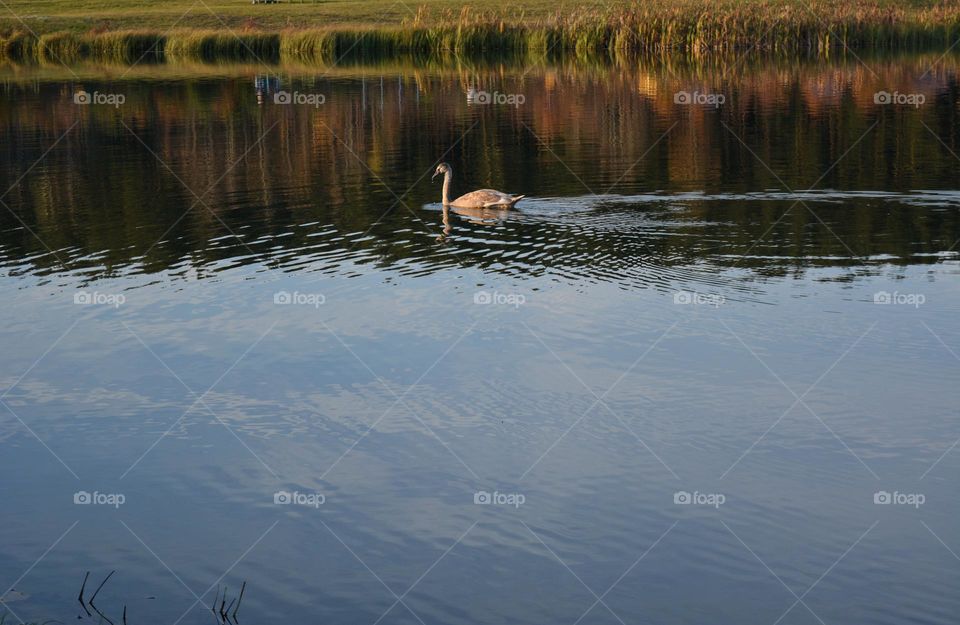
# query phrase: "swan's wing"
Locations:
[[483, 197]]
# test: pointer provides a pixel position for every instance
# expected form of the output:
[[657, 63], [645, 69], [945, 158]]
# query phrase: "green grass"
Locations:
[[323, 32], [78, 15]]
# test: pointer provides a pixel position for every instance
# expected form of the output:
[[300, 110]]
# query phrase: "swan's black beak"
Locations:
[[435, 174]]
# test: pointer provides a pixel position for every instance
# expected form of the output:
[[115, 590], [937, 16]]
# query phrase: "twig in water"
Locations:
[[222, 604], [239, 599], [101, 586], [213, 608], [80, 596], [95, 608]]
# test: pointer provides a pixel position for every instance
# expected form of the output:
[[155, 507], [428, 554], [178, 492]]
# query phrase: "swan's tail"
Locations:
[[517, 198]]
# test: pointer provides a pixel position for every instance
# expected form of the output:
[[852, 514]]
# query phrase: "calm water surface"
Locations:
[[752, 306]]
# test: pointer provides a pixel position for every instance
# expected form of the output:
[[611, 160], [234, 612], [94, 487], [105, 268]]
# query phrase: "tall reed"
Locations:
[[622, 32], [223, 46]]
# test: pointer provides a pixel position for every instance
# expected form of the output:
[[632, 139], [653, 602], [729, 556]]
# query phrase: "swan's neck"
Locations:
[[447, 176], [446, 220]]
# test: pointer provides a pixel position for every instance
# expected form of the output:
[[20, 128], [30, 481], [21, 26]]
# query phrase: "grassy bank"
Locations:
[[624, 31]]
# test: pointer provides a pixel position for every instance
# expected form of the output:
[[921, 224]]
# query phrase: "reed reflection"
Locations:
[[113, 193]]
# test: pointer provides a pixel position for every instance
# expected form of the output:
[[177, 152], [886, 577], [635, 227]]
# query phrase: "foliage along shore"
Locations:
[[623, 32]]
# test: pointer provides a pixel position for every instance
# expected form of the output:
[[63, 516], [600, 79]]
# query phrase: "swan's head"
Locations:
[[442, 168]]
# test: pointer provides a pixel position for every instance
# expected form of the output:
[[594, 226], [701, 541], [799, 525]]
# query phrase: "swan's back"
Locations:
[[485, 197]]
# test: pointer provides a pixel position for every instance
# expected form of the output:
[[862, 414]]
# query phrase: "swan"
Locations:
[[483, 198]]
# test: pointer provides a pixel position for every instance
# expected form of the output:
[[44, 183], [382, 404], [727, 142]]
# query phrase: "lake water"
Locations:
[[706, 373]]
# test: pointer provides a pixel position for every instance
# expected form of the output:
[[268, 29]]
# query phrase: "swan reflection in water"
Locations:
[[479, 216]]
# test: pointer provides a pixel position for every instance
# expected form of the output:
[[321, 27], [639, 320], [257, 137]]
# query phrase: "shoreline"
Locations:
[[616, 34], [706, 69]]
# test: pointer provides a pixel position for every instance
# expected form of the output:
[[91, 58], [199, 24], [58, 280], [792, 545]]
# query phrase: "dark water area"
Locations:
[[705, 372]]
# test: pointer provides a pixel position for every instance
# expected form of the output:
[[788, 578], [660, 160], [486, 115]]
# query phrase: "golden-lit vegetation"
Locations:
[[623, 31], [215, 45]]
